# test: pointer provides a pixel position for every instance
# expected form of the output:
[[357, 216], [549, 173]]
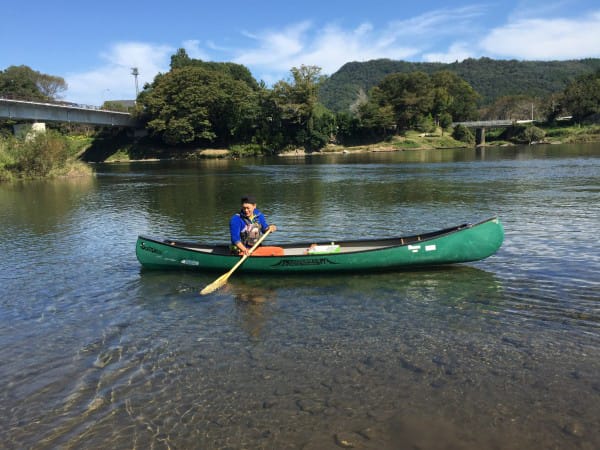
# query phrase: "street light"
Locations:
[[135, 73]]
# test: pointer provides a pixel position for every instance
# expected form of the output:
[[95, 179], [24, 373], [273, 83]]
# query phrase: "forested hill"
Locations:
[[489, 77]]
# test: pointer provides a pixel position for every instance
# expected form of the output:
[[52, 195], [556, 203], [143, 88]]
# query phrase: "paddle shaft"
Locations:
[[223, 278], [254, 247]]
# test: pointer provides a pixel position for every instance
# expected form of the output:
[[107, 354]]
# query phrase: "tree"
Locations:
[[531, 134], [237, 71], [410, 95], [180, 59], [51, 86], [24, 83], [445, 120], [297, 101], [376, 121], [582, 97], [196, 104], [454, 96], [463, 134]]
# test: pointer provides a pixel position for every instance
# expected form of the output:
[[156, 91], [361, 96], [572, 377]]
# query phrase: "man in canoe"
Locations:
[[247, 226]]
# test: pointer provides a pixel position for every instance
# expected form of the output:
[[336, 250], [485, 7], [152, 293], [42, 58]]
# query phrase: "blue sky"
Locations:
[[94, 45]]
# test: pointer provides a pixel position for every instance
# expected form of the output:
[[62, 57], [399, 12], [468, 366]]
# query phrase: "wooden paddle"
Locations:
[[219, 282]]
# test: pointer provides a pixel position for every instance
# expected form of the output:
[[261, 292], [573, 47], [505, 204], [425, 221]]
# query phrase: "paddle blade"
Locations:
[[223, 278], [218, 283]]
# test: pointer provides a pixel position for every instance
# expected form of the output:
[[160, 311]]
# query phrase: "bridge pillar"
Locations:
[[29, 128], [480, 136]]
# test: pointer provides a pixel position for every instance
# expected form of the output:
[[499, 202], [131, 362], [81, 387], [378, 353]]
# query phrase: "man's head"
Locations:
[[248, 204], [249, 199]]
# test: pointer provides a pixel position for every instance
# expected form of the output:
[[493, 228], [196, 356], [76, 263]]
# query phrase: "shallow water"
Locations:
[[502, 353]]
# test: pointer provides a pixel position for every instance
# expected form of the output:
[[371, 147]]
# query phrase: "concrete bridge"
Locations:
[[481, 125], [50, 112]]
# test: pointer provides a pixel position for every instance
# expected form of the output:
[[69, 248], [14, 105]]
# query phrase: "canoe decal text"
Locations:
[[304, 262], [150, 249]]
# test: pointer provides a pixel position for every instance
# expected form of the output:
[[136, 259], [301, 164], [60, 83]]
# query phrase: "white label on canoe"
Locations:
[[430, 248], [414, 248], [190, 262]]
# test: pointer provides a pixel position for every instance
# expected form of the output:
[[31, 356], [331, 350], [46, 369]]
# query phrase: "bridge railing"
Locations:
[[491, 123]]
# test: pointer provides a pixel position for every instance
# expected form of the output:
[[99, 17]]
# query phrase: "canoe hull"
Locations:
[[454, 245]]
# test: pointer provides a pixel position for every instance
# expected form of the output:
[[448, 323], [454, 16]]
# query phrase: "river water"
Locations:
[[501, 354]]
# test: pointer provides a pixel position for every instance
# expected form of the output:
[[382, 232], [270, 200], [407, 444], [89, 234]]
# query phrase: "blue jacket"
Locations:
[[237, 224]]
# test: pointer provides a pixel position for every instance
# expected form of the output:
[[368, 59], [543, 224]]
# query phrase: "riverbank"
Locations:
[[75, 151], [411, 140]]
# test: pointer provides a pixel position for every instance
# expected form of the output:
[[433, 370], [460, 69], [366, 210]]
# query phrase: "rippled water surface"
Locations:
[[501, 354]]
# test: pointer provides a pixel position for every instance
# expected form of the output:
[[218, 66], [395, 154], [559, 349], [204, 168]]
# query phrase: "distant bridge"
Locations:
[[481, 125], [50, 112]]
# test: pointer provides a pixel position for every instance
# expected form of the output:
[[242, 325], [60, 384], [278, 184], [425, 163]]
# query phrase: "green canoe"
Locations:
[[466, 242]]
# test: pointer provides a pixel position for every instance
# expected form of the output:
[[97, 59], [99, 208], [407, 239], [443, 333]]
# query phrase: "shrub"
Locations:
[[463, 134], [425, 124], [246, 150], [531, 134], [39, 154]]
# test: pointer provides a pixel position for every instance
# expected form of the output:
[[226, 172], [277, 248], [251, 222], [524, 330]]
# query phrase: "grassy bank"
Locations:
[[42, 155], [573, 134], [411, 140], [55, 155]]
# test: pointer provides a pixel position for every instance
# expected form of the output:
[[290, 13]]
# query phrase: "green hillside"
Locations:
[[490, 78]]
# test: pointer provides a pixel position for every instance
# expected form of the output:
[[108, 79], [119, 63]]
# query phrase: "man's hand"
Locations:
[[242, 249]]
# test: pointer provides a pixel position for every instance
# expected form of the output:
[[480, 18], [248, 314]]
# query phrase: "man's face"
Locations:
[[248, 208]]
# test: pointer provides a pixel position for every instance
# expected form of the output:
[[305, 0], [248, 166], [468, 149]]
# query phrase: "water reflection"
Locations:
[[42, 206], [254, 306]]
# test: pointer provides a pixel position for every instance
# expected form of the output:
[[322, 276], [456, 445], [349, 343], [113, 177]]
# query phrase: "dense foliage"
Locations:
[[582, 97], [490, 78], [197, 104], [221, 104], [24, 83], [415, 100], [34, 155]]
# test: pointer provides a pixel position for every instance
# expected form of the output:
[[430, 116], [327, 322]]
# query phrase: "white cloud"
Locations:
[[329, 48], [442, 36], [441, 22], [114, 80], [192, 48], [546, 39], [275, 48]]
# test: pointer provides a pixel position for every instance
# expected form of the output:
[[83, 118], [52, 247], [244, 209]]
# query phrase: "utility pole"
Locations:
[[532, 112], [135, 73]]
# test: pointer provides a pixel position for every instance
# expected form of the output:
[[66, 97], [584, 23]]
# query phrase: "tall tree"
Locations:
[[297, 102], [454, 96], [237, 71], [24, 83], [582, 97], [409, 94], [195, 104]]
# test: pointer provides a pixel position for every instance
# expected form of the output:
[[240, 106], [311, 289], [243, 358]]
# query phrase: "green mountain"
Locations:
[[489, 77]]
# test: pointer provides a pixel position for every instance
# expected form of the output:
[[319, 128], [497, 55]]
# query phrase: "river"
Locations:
[[501, 354]]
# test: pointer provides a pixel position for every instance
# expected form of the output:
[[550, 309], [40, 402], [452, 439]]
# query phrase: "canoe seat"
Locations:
[[268, 251]]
